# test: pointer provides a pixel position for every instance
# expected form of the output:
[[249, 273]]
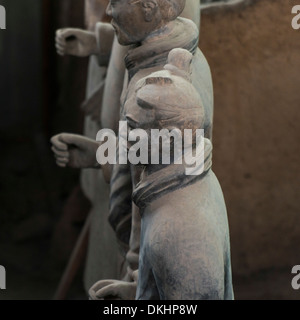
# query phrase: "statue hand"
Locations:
[[75, 42], [113, 290], [74, 151]]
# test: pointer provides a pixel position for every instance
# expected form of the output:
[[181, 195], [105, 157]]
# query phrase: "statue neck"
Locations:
[[154, 50], [161, 33], [159, 180]]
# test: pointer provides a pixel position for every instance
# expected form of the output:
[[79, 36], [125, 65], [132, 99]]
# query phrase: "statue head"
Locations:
[[167, 100], [134, 20]]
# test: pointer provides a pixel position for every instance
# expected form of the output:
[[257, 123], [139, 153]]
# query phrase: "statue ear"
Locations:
[[150, 7]]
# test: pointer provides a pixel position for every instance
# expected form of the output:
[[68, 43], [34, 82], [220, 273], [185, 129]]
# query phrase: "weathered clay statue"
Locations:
[[183, 260], [102, 109], [184, 250], [87, 42], [101, 262]]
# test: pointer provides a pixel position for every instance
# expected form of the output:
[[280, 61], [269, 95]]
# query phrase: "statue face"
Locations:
[[133, 21]]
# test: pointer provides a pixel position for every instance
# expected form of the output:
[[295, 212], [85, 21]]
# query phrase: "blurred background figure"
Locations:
[[103, 257]]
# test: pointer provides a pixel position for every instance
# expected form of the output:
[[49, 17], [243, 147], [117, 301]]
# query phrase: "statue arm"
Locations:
[[105, 34], [82, 43], [79, 152]]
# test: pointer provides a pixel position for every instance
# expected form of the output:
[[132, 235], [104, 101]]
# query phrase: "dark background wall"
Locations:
[[255, 58], [40, 96], [21, 68]]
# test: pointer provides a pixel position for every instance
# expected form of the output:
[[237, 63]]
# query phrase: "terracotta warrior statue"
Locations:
[[179, 258], [179, 223], [184, 245], [97, 44], [101, 262]]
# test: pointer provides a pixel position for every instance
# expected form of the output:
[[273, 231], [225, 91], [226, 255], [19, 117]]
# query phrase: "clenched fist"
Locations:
[[75, 151], [113, 290], [75, 42]]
